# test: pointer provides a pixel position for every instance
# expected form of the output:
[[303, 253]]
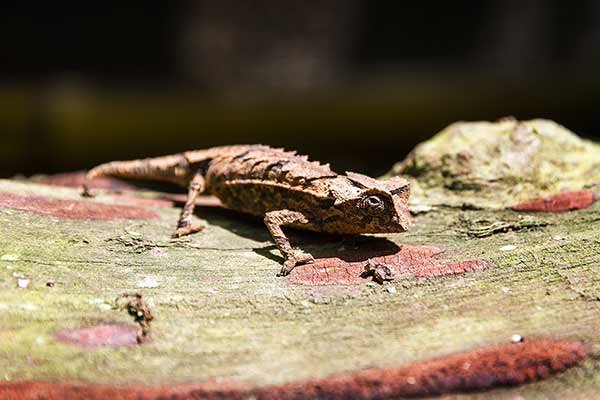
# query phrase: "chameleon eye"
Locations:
[[375, 203]]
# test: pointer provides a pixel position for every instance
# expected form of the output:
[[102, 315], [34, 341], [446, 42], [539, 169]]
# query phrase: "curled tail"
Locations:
[[172, 168]]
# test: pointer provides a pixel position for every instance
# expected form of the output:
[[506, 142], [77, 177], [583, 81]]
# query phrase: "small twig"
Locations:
[[139, 310]]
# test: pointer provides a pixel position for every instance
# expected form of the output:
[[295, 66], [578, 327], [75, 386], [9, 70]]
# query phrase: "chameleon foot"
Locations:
[[188, 229], [297, 258]]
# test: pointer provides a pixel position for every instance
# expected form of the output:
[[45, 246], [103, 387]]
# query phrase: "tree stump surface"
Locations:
[[215, 320]]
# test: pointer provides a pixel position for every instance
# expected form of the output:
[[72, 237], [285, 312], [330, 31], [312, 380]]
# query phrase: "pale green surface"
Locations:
[[221, 311], [497, 164]]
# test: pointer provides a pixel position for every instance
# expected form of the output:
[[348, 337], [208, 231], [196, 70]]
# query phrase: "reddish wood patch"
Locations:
[[36, 390], [142, 201], [480, 369], [76, 179], [563, 201], [416, 261], [115, 335], [77, 209]]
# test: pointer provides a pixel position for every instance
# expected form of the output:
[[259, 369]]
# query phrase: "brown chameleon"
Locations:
[[283, 187]]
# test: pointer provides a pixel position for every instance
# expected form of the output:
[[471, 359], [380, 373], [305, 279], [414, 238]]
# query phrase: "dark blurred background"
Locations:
[[355, 83]]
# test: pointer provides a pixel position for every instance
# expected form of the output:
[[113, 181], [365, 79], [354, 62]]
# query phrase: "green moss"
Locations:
[[220, 311], [497, 164]]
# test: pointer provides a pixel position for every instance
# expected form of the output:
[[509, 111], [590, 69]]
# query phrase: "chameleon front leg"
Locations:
[[275, 220], [185, 226]]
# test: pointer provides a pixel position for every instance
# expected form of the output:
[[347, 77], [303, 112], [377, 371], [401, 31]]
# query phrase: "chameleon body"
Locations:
[[284, 188]]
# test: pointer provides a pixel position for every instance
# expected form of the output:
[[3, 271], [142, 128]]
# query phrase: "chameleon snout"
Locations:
[[401, 224]]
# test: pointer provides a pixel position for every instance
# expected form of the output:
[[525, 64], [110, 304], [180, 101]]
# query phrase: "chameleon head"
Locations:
[[372, 206]]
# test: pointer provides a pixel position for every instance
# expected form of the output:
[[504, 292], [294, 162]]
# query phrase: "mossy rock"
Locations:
[[498, 164]]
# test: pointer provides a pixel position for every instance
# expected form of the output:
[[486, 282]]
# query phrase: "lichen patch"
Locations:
[[480, 369], [476, 370], [74, 209], [415, 261], [559, 202], [115, 335]]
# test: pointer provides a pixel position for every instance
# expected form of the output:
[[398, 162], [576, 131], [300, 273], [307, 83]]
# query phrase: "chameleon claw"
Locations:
[[304, 258], [291, 262], [188, 229]]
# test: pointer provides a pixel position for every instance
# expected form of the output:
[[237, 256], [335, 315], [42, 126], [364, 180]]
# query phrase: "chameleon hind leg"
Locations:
[[185, 225], [275, 220]]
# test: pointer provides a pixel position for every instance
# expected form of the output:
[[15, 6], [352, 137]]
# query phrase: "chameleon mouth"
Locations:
[[399, 225]]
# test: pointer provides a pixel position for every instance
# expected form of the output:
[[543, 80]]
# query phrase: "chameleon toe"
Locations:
[[187, 230]]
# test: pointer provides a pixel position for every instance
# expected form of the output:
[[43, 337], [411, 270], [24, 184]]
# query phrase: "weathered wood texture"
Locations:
[[220, 311], [464, 278]]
